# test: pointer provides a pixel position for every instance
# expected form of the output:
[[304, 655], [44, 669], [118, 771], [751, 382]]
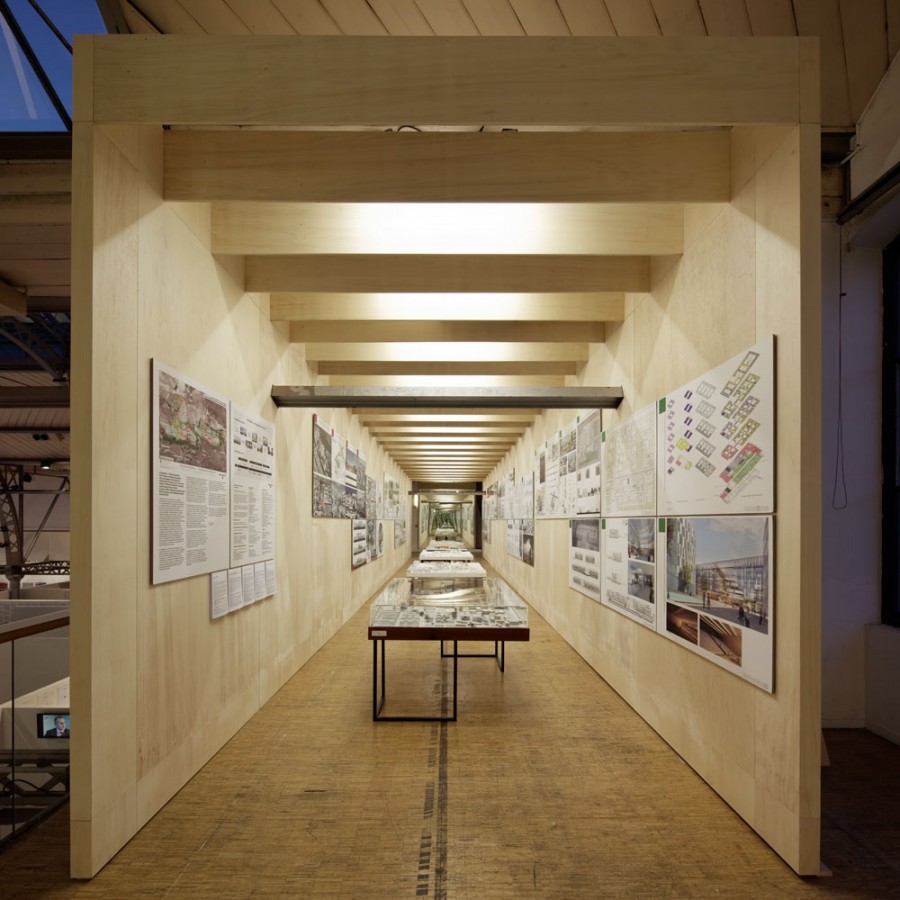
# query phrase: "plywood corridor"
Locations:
[[548, 786]]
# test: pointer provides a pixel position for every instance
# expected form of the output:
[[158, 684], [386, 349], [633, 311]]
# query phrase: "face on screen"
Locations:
[[53, 725]]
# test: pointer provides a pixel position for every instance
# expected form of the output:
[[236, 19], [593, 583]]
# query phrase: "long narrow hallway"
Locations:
[[548, 785]]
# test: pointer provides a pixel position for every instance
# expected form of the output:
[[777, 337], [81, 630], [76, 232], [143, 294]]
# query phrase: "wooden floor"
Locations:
[[548, 785]]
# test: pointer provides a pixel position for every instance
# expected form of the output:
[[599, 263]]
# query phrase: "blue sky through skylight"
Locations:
[[24, 105]]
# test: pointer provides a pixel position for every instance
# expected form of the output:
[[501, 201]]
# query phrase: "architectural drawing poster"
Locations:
[[718, 591], [587, 464], [520, 539], [252, 488], [339, 475], [629, 567], [546, 483], [359, 551], [629, 465], [190, 477], [584, 557], [716, 439]]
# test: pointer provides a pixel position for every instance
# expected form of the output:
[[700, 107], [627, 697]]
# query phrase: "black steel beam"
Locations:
[[472, 398]]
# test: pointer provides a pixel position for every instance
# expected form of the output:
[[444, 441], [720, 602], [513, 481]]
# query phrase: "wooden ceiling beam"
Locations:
[[627, 229], [447, 351], [384, 272], [421, 382], [521, 367], [548, 307], [442, 330], [447, 167]]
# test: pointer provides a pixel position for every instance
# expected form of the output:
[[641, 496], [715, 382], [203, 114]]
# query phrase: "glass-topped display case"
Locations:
[[490, 604]]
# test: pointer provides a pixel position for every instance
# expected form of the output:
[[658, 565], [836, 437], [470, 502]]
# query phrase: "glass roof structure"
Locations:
[[36, 61]]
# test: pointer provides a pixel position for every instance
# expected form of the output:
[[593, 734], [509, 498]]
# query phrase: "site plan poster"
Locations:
[[718, 591], [190, 477], [716, 439], [584, 557], [629, 465], [252, 488], [629, 567]]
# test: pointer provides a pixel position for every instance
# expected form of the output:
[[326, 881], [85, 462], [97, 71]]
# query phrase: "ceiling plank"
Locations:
[[678, 17], [587, 18], [633, 18], [401, 17], [261, 17], [443, 420], [494, 18], [446, 351], [649, 229], [137, 22], [170, 18], [507, 308], [725, 18], [770, 18], [866, 48], [446, 167], [315, 81], [36, 209], [354, 17], [36, 177], [215, 17], [821, 18], [521, 367], [307, 18], [383, 272], [442, 330], [390, 430], [447, 17], [540, 18]]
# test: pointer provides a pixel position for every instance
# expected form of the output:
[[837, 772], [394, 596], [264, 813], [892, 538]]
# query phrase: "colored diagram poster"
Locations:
[[629, 567], [716, 439], [629, 466], [718, 591], [588, 464], [584, 557], [252, 488], [190, 477]]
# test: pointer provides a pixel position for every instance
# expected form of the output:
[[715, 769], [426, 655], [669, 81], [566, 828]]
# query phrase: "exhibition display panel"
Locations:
[[490, 612]]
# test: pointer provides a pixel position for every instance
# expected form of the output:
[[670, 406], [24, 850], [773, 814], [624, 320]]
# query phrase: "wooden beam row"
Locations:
[[447, 167], [544, 307]]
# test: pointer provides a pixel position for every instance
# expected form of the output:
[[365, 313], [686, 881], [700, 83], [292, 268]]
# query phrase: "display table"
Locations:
[[462, 574], [491, 612], [446, 555]]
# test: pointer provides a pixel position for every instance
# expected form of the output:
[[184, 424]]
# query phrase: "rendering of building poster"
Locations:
[[374, 539], [520, 539], [339, 475], [371, 497], [716, 439], [399, 532], [359, 552], [629, 567], [190, 477], [629, 466], [588, 464], [252, 488], [391, 498], [584, 557], [718, 591]]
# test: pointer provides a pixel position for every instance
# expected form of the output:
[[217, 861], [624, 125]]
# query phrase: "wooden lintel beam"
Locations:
[[447, 351], [388, 272], [353, 80], [12, 302], [447, 167]]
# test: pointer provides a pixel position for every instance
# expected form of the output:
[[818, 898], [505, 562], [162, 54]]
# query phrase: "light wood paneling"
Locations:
[[350, 331], [632, 17], [725, 18], [587, 18], [426, 272], [455, 167], [473, 367], [323, 80], [679, 17], [546, 307], [446, 351], [307, 18]]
